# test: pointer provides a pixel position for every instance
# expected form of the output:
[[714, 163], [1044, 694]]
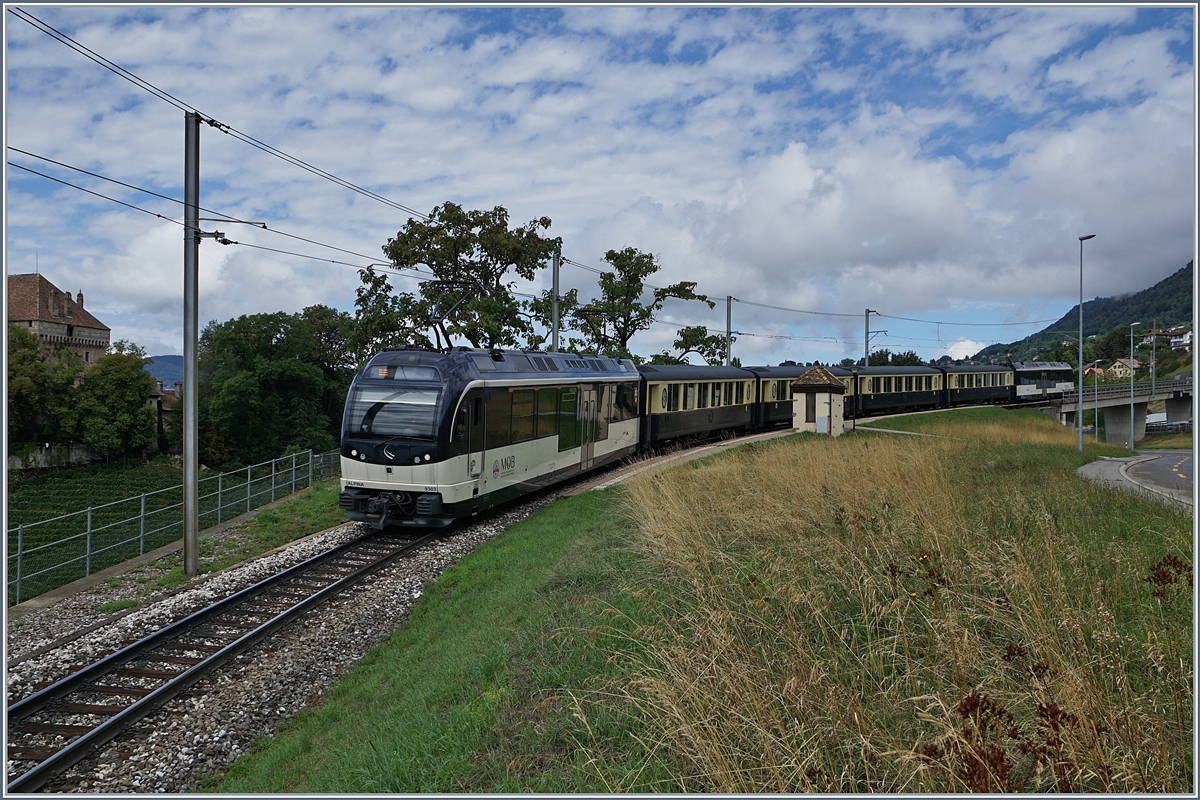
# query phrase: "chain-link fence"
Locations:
[[51, 553]]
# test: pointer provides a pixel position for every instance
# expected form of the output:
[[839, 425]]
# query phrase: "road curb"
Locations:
[[1169, 494]]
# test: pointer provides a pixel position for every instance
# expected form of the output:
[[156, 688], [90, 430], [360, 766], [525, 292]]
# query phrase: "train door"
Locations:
[[475, 429], [587, 418]]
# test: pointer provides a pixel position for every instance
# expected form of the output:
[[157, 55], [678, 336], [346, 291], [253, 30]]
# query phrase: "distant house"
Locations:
[[1181, 337], [1093, 370], [1120, 367], [56, 318]]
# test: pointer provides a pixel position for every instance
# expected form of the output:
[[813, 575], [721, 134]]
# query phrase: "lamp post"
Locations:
[[1079, 406], [1096, 395], [1131, 430]]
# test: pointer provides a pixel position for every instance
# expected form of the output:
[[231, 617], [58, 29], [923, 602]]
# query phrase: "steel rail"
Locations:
[[75, 751]]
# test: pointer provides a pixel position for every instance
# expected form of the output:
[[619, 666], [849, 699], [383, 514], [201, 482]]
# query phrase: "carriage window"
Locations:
[[728, 393], [908, 383], [522, 415], [689, 396], [499, 419], [673, 397], [547, 412], [716, 394], [774, 390], [887, 383], [625, 405], [568, 425], [664, 399], [702, 401], [740, 392]]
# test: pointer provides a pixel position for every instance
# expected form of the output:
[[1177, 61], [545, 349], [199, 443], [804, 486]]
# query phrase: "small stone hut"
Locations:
[[817, 399]]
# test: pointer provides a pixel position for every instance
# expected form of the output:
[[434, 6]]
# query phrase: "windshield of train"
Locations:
[[384, 412]]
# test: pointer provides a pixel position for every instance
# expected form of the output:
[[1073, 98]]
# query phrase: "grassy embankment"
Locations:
[[1166, 441], [871, 613], [294, 517]]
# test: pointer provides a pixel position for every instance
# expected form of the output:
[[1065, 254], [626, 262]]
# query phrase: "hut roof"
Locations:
[[817, 377]]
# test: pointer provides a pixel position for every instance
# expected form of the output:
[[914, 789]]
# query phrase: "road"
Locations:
[[1165, 469]]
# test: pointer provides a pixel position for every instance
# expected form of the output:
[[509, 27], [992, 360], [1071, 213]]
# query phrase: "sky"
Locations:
[[937, 165]]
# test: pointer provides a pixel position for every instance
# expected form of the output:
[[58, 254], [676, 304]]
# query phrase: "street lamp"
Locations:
[[1079, 406], [1096, 395], [1131, 431]]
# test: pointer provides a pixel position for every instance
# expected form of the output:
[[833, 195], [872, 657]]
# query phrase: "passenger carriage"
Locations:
[[890, 389], [429, 437], [971, 385], [1039, 379], [774, 390], [685, 401]]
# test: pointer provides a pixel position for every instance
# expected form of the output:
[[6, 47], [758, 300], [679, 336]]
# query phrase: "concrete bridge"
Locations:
[[1113, 399]]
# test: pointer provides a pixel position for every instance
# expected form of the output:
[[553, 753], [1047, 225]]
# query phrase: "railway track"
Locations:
[[59, 725]]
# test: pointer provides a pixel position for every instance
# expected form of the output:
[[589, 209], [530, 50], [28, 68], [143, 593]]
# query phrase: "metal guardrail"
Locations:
[[1107, 391], [53, 552]]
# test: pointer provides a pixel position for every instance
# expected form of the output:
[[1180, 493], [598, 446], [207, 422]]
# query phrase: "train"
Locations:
[[430, 437]]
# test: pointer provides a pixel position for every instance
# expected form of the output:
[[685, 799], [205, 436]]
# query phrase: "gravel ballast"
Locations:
[[196, 735]]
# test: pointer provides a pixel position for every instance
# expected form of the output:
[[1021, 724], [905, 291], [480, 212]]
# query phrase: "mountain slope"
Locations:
[[1169, 301]]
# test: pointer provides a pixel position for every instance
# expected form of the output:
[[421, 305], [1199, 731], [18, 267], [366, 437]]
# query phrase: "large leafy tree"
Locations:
[[385, 318], [41, 388], [623, 308], [694, 339], [111, 414], [473, 254], [273, 382]]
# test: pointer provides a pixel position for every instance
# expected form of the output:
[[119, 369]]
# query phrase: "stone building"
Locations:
[[56, 318]]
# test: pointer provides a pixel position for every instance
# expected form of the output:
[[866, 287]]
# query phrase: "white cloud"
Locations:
[[952, 175]]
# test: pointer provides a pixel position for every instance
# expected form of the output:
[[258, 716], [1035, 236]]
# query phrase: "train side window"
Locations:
[[739, 396], [716, 394], [702, 398], [568, 425], [673, 397], [728, 393], [499, 419], [689, 396], [547, 412], [887, 383], [522, 415], [908, 383]]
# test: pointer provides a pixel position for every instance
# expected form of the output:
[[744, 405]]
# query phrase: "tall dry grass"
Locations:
[[911, 614]]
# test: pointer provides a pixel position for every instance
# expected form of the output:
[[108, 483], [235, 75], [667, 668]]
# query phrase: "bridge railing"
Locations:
[[1110, 390], [53, 552]]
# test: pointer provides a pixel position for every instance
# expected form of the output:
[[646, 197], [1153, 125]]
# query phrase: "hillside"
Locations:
[[1169, 301], [168, 369]]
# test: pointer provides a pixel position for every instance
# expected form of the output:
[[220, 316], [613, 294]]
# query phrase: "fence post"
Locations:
[[89, 543], [274, 462], [142, 531], [220, 475], [247, 490], [293, 473], [20, 549]]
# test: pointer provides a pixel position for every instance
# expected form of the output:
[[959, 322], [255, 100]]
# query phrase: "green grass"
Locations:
[[1166, 441], [804, 615], [118, 605], [294, 517], [489, 685]]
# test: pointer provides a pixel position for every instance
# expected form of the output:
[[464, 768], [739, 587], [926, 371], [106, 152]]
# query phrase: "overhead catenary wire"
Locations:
[[182, 105]]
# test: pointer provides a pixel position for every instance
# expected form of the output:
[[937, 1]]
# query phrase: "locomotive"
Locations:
[[430, 437]]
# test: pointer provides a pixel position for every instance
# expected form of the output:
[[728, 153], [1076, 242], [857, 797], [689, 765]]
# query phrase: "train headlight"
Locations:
[[427, 456], [353, 452], [417, 460]]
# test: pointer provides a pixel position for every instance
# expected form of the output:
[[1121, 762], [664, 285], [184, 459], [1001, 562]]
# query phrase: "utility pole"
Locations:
[[556, 263], [728, 329], [191, 291], [867, 338]]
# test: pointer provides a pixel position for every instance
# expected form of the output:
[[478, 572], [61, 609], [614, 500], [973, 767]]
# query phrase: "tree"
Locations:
[[41, 388], [908, 358], [696, 339], [269, 382], [609, 322], [383, 318], [111, 414], [472, 252]]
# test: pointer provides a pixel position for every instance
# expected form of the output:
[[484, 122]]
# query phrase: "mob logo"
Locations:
[[496, 469]]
